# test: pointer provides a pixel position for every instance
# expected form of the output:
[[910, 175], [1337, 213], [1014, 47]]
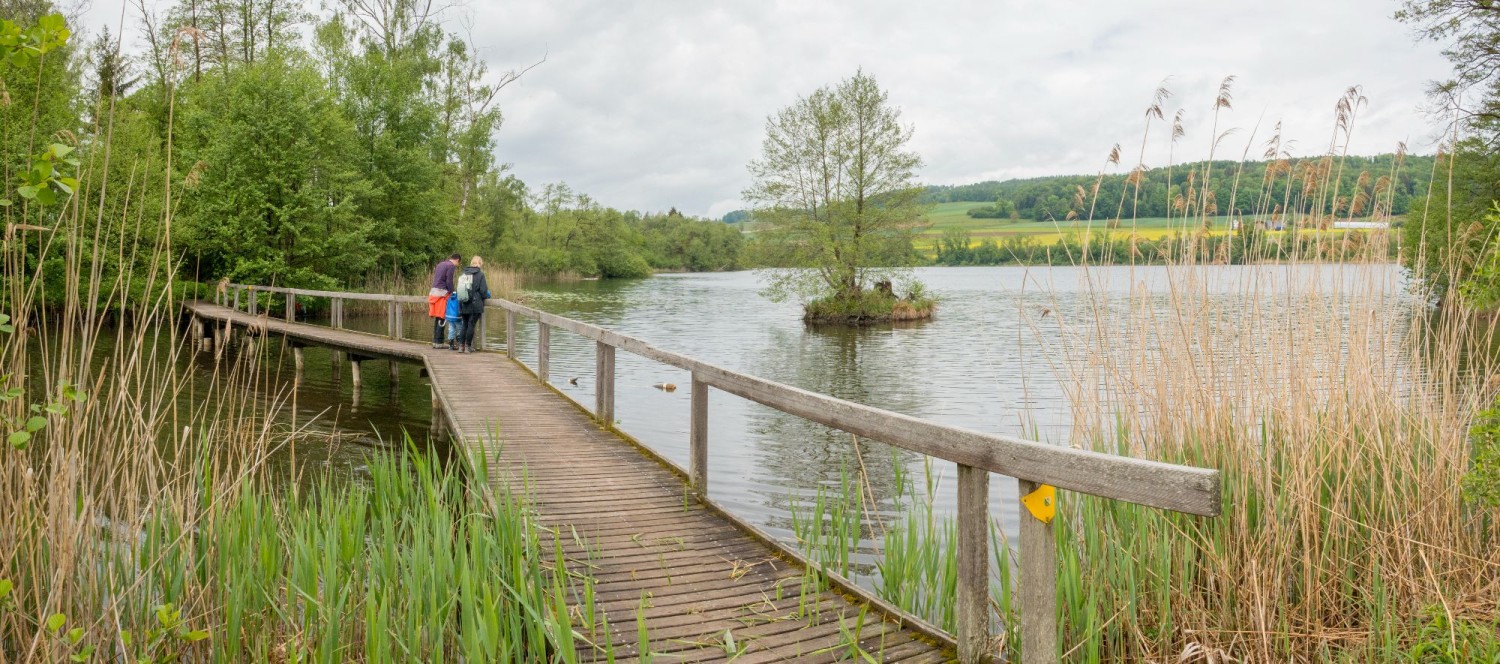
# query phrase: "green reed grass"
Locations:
[[414, 565]]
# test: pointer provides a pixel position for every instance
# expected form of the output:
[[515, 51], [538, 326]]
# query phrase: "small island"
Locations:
[[836, 199]]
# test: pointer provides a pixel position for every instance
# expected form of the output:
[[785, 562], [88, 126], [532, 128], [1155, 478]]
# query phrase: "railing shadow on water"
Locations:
[[1039, 468]]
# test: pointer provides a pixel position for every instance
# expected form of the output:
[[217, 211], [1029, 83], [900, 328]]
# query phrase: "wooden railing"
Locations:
[[1035, 466]]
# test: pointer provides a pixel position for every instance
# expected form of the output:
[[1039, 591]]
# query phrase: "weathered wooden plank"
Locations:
[[543, 351], [698, 438], [604, 383], [973, 593], [1180, 488], [1037, 586], [510, 334]]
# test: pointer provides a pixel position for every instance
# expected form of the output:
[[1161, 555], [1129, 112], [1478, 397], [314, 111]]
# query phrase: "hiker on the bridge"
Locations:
[[472, 290], [437, 298]]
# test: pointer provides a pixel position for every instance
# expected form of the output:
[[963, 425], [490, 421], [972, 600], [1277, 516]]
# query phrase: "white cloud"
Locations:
[[657, 103]]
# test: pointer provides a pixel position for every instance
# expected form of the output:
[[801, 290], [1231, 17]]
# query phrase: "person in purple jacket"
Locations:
[[442, 285]]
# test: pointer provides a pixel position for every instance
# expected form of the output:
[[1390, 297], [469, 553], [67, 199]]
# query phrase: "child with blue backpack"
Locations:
[[454, 321]]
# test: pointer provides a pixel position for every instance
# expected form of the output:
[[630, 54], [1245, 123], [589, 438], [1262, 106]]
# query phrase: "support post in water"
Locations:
[[297, 361], [543, 350], [698, 438], [604, 383], [395, 375], [354, 364], [973, 597], [510, 334], [1037, 583], [439, 425]]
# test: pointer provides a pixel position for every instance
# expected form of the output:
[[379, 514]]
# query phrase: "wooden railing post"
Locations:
[[604, 383], [390, 318], [291, 307], [236, 306], [510, 334], [543, 350], [338, 313], [480, 333], [1037, 585], [254, 302], [400, 321], [698, 438], [973, 597]]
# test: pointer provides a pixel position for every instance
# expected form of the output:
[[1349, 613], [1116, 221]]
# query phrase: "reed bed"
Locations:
[[138, 521], [1335, 400]]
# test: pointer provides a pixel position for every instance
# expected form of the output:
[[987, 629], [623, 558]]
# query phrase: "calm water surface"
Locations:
[[988, 361]]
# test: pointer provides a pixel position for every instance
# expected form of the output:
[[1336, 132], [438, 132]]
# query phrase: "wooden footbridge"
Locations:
[[652, 532]]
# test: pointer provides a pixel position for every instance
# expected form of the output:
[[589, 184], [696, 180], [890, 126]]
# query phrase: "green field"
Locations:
[[946, 216], [954, 216]]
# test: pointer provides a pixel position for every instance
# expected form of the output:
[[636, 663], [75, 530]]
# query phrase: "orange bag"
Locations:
[[437, 306]]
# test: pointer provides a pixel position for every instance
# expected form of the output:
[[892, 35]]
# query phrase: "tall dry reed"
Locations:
[[1335, 402]]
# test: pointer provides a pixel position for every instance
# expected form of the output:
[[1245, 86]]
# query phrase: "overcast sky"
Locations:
[[651, 104]]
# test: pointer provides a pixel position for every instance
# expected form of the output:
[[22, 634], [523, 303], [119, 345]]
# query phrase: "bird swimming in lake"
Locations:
[[665, 387], [572, 381]]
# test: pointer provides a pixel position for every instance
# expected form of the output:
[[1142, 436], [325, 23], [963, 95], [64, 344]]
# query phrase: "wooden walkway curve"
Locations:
[[703, 574]]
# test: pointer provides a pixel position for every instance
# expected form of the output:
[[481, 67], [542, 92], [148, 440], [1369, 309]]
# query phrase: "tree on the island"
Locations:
[[835, 187]]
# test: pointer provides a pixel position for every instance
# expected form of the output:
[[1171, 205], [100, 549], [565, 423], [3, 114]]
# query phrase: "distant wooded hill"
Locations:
[[1382, 183], [1363, 182]]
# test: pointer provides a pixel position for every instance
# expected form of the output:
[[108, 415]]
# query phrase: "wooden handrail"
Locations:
[[1033, 464]]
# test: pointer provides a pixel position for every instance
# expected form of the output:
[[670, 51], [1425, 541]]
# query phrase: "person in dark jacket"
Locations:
[[472, 290], [442, 285]]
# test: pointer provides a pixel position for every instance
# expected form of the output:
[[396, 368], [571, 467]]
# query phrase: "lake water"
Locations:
[[990, 360]]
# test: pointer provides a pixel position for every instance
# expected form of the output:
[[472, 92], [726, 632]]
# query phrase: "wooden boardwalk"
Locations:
[[646, 535]]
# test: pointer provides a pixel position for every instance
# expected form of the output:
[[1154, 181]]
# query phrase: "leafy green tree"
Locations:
[[383, 66], [1452, 227], [273, 194], [38, 108], [835, 186]]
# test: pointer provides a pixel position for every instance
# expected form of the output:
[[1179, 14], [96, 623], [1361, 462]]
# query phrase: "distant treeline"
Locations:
[[559, 231], [1248, 245], [1381, 185]]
